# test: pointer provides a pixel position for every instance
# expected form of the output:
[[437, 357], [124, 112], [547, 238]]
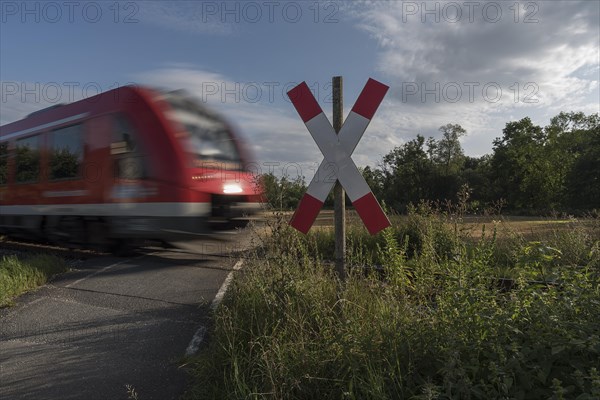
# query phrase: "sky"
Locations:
[[479, 64]]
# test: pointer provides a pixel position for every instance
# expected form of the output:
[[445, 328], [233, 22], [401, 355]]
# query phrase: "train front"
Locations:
[[220, 170]]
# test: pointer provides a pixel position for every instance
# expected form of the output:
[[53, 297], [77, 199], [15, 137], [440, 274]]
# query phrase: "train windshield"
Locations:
[[208, 137]]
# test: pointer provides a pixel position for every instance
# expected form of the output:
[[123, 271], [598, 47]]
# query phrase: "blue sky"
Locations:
[[478, 64]]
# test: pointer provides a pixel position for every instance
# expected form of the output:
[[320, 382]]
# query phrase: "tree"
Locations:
[[543, 169], [532, 168], [578, 141], [476, 173], [519, 170], [283, 193], [448, 151], [408, 173], [375, 178], [583, 180], [420, 170]]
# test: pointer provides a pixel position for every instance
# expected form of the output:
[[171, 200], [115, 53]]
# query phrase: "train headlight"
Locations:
[[232, 188]]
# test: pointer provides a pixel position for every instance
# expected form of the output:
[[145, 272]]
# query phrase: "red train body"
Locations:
[[128, 163]]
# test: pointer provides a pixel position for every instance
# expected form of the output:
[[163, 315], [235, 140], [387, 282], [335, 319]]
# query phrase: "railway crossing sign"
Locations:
[[337, 150]]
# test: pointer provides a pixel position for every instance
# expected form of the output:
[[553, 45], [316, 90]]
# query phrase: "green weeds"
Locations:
[[20, 275], [423, 315]]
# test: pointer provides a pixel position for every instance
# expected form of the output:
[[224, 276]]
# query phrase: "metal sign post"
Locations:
[[339, 194]]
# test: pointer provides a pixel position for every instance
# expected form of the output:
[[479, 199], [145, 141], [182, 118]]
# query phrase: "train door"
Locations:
[[65, 189], [131, 194], [127, 158]]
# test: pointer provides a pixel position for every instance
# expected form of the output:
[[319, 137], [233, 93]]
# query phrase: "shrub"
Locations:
[[434, 325]]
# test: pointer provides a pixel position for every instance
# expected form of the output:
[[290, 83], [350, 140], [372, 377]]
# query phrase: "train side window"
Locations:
[[66, 153], [28, 159], [124, 140], [3, 163], [129, 161]]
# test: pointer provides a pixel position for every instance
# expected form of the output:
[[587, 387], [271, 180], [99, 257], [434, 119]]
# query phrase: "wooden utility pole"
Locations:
[[339, 192]]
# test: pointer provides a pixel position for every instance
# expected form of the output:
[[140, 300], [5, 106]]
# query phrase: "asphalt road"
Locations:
[[112, 323]]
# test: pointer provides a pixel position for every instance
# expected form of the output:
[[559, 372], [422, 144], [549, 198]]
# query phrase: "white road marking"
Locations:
[[195, 342], [201, 331], [221, 293]]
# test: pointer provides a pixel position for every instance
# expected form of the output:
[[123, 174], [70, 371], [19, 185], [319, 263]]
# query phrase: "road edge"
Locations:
[[198, 337]]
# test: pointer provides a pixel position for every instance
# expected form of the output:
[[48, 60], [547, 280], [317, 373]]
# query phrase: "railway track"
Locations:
[[223, 244], [10, 246]]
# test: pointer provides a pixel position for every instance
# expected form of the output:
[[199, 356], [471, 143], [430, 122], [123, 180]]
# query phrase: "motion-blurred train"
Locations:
[[132, 163]]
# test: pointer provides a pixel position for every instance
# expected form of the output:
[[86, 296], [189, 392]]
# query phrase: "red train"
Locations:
[[130, 163]]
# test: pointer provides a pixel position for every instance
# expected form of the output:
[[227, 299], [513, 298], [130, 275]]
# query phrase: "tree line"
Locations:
[[531, 169]]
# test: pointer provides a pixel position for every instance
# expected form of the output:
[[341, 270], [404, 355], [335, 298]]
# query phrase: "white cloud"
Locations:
[[554, 61], [540, 67]]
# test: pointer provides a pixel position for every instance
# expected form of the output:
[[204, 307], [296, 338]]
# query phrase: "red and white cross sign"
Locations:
[[337, 164]]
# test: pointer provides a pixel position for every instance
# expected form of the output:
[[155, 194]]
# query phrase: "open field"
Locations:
[[524, 225]]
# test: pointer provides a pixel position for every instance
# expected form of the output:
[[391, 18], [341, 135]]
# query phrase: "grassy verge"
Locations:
[[433, 322], [20, 275]]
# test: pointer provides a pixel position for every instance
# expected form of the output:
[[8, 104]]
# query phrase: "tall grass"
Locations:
[[432, 322], [20, 275]]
